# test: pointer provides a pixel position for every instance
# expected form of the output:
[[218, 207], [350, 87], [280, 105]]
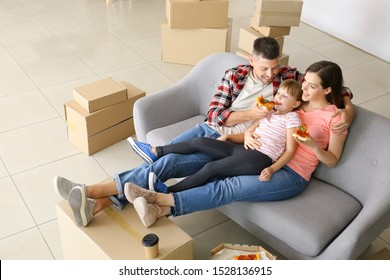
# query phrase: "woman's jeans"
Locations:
[[285, 183]]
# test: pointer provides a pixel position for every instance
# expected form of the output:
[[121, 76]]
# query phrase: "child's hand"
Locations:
[[251, 141], [266, 174]]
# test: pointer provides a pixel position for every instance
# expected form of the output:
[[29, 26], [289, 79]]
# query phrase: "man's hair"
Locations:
[[266, 47], [293, 88]]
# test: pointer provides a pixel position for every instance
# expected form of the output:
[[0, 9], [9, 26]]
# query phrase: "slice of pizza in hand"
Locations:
[[265, 103], [301, 133]]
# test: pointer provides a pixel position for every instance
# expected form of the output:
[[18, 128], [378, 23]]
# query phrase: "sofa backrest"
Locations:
[[209, 73], [363, 170]]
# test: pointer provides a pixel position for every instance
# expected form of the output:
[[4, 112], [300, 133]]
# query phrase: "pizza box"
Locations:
[[229, 251]]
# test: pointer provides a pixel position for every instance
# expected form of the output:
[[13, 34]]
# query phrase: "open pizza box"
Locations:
[[235, 251]]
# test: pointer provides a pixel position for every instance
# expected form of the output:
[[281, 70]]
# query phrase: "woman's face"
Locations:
[[312, 89]]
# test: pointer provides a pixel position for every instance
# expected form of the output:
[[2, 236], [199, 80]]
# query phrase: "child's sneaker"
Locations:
[[156, 185], [144, 150]]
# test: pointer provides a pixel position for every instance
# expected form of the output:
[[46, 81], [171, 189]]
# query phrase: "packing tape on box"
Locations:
[[123, 224]]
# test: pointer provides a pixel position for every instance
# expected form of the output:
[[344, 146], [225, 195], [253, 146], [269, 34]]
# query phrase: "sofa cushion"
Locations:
[[161, 136], [307, 222]]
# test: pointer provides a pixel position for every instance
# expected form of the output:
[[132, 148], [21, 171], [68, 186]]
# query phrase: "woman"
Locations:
[[321, 88]]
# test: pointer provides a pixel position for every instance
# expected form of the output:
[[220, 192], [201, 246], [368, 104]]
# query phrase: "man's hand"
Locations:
[[258, 113], [344, 122]]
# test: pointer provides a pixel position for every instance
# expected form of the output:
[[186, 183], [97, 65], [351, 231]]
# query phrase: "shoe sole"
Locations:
[[141, 206], [126, 190], [151, 180], [78, 204], [138, 151], [58, 190]]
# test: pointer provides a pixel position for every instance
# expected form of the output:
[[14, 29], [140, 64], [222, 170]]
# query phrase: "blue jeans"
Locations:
[[285, 183], [167, 167]]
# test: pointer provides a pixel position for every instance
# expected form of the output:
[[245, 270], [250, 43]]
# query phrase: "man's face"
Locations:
[[264, 69]]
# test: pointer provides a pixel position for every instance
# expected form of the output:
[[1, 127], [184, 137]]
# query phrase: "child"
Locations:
[[230, 159]]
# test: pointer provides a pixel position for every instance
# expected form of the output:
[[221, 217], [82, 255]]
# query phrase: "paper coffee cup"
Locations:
[[150, 243]]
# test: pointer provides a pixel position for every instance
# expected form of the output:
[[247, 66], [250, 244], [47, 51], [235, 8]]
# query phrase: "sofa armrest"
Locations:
[[164, 108]]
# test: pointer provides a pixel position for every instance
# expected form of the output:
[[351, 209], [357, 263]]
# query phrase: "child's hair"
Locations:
[[331, 76], [293, 88], [266, 47]]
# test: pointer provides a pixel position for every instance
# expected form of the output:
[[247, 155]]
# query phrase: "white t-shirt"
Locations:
[[252, 89]]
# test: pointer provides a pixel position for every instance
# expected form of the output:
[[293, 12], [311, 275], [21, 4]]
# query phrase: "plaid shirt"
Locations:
[[232, 84]]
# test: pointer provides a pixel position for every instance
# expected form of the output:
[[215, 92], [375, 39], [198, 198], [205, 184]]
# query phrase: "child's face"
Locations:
[[287, 101]]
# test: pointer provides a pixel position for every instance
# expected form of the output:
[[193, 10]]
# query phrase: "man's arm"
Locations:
[[347, 116]]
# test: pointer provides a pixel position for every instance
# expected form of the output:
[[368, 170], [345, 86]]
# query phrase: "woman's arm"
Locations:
[[331, 156], [291, 147]]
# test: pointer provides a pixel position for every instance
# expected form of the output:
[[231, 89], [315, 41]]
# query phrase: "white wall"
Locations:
[[364, 24]]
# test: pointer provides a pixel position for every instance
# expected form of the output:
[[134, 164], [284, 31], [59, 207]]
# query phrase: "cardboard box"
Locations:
[[271, 31], [283, 60], [190, 14], [228, 251], [189, 46], [278, 12], [100, 94], [92, 132], [248, 35], [116, 235]]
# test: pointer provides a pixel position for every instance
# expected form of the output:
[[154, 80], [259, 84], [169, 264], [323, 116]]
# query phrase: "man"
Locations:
[[233, 108]]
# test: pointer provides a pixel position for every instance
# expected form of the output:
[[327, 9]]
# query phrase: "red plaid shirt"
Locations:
[[232, 84]]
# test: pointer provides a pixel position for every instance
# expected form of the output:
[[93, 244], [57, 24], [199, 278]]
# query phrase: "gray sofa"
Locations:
[[342, 210]]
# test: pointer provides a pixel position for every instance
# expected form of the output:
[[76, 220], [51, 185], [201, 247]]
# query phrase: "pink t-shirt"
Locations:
[[318, 123], [273, 133]]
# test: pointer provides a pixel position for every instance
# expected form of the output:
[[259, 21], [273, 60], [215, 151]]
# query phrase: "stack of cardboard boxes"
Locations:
[[272, 18], [101, 114], [194, 29]]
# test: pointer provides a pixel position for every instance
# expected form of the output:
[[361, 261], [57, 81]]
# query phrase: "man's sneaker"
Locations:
[[133, 191], [156, 185], [82, 206], [144, 150], [63, 186], [148, 213]]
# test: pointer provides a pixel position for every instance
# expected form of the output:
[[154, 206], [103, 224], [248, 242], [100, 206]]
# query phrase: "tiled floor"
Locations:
[[47, 47]]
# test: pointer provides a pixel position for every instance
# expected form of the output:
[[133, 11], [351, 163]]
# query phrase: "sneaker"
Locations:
[[82, 206], [133, 191], [156, 185], [63, 186], [144, 150], [148, 213]]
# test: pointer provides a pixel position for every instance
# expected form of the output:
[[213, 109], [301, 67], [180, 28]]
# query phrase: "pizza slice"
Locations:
[[265, 103], [301, 133], [247, 257]]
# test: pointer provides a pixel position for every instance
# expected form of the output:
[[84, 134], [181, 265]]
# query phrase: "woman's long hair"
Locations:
[[331, 76]]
